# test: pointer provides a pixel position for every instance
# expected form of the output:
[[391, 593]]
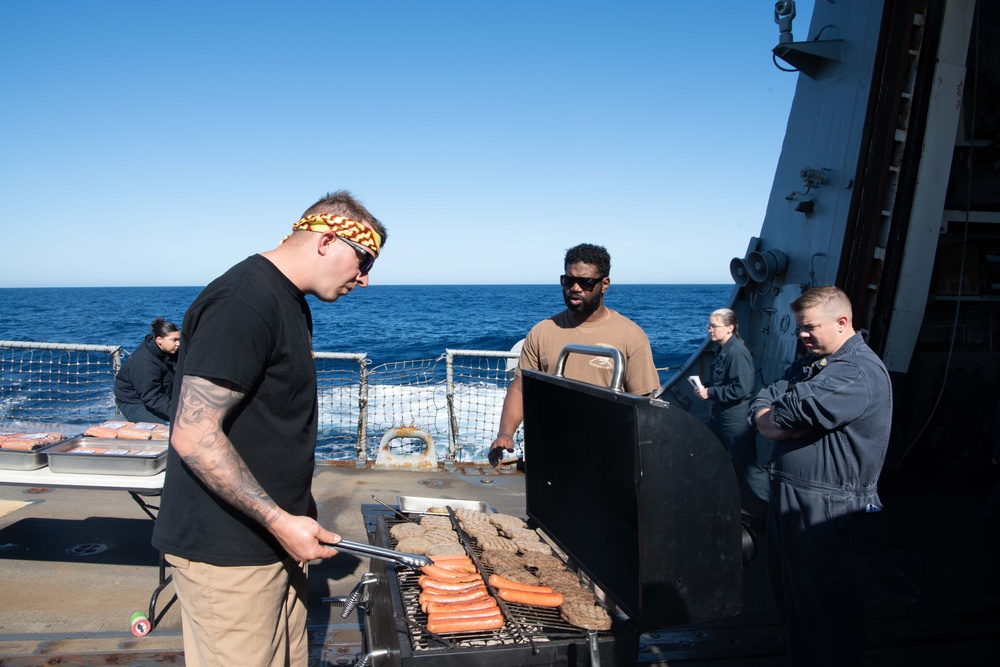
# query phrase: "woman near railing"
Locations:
[[145, 382]]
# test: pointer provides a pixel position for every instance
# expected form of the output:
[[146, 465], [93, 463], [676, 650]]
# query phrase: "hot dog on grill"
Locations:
[[448, 586], [475, 605], [438, 558], [465, 624], [440, 595], [471, 613], [455, 565], [475, 594], [529, 598], [460, 568], [496, 581], [440, 573]]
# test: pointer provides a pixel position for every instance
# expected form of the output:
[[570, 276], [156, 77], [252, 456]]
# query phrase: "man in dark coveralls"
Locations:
[[237, 521], [829, 417]]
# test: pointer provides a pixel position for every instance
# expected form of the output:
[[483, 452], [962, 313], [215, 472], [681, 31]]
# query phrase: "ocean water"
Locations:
[[388, 322]]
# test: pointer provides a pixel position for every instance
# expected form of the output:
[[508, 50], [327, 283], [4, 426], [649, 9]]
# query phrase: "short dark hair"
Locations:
[[588, 253], [343, 203], [161, 327], [829, 298]]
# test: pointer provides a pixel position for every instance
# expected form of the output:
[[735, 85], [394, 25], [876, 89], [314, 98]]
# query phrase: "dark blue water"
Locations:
[[388, 322]]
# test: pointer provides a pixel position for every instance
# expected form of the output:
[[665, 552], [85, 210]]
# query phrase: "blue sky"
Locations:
[[158, 143]]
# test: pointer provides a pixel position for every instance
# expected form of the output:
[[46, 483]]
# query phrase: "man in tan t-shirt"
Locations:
[[586, 321]]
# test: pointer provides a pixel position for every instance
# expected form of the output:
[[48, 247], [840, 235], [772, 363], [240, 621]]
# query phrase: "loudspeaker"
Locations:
[[738, 270], [764, 265]]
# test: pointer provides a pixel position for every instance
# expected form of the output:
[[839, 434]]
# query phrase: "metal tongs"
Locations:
[[396, 511], [414, 561]]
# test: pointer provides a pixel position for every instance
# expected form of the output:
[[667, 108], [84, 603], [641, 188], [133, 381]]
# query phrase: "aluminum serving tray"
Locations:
[[108, 456], [16, 459], [416, 505]]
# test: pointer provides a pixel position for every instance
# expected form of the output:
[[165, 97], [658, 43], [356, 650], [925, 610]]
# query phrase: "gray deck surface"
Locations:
[[75, 565]]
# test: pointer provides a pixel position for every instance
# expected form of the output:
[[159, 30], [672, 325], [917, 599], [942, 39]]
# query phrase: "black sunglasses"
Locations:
[[365, 259], [586, 284]]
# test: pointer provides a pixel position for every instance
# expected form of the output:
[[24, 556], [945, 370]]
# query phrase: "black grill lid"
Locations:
[[640, 494]]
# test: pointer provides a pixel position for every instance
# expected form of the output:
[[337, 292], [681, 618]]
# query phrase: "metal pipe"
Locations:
[[449, 375]]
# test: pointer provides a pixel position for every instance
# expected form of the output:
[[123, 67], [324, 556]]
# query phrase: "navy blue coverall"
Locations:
[[822, 522], [730, 388]]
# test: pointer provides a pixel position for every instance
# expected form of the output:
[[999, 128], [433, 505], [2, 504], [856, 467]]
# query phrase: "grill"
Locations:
[[645, 477], [638, 497], [530, 636]]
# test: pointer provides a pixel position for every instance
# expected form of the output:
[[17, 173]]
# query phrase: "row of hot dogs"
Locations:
[[129, 430], [28, 442], [455, 598]]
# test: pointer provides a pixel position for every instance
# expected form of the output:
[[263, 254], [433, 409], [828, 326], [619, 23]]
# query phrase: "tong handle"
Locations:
[[414, 561], [396, 511]]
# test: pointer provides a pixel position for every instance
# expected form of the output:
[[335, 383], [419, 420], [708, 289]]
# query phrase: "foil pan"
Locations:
[[108, 456], [15, 459], [418, 505]]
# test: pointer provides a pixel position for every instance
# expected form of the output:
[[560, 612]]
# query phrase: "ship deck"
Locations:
[[77, 563]]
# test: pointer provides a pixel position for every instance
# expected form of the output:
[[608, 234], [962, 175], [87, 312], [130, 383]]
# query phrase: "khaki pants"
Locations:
[[252, 616]]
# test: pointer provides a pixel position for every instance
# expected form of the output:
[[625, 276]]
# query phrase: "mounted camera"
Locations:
[[784, 12]]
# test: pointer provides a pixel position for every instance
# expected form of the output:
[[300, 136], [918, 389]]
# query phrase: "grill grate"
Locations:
[[524, 624]]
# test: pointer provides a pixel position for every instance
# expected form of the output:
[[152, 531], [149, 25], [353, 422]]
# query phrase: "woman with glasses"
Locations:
[[729, 389]]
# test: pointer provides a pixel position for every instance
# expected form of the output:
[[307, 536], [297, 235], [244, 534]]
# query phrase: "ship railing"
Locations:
[[57, 382], [457, 402], [476, 385]]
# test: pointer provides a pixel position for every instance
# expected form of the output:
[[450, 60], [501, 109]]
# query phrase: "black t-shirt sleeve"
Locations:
[[229, 341]]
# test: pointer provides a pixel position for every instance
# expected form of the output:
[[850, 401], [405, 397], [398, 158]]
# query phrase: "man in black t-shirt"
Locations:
[[237, 521]]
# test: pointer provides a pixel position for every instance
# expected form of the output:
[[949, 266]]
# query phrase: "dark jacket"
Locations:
[[147, 378], [732, 378]]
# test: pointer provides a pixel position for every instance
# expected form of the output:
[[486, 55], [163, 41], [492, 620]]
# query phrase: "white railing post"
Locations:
[[449, 379], [362, 413]]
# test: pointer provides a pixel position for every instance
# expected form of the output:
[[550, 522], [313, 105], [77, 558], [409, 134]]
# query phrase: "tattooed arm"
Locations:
[[198, 438]]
